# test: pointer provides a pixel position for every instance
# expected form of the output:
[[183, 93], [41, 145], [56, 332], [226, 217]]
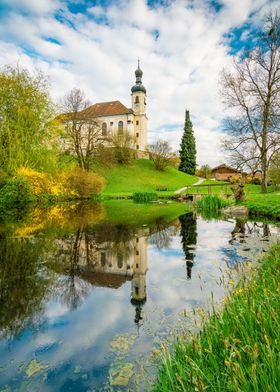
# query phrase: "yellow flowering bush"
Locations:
[[76, 183]]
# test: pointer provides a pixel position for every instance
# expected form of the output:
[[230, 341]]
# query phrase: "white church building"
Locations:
[[116, 119]]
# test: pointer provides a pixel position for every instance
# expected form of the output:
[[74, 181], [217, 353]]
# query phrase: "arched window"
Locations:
[[120, 128], [136, 99], [103, 259], [104, 129], [120, 261]]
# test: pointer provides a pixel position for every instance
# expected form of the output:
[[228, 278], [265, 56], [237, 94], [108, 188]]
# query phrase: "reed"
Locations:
[[213, 203], [238, 348], [144, 197]]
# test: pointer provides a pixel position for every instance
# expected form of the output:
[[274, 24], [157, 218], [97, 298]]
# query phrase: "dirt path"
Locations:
[[200, 181]]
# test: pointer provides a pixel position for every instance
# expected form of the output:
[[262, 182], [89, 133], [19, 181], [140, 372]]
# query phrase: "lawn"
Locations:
[[238, 349], [141, 176], [264, 204]]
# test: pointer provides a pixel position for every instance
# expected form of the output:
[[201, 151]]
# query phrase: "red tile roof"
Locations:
[[101, 109]]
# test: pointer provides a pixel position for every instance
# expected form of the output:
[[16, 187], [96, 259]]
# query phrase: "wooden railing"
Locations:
[[194, 189]]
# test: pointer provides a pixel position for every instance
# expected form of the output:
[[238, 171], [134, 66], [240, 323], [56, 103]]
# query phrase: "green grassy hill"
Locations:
[[141, 176]]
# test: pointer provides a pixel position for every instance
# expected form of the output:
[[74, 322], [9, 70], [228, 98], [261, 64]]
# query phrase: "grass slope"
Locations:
[[141, 176], [264, 204], [238, 350]]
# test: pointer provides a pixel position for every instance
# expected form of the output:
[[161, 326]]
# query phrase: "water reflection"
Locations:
[[189, 237], [73, 279]]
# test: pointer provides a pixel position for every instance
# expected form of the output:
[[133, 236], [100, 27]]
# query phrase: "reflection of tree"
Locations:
[[24, 284], [162, 233], [71, 288], [189, 237], [238, 230], [241, 228]]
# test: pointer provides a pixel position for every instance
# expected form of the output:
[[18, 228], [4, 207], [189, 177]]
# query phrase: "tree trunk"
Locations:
[[264, 173]]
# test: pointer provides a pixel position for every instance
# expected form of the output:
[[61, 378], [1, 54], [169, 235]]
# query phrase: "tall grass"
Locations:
[[213, 203], [144, 197], [238, 349]]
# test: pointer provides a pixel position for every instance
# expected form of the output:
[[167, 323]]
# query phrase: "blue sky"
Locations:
[[94, 45]]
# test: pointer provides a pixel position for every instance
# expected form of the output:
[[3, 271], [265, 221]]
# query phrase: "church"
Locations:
[[116, 119]]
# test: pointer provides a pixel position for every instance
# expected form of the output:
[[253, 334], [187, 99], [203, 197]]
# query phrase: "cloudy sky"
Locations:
[[94, 45]]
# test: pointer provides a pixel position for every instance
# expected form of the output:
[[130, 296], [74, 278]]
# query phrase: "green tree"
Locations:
[[26, 111], [188, 149]]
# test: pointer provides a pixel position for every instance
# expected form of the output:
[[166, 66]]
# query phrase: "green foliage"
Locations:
[[26, 110], [256, 181], [204, 171], [15, 193], [213, 203], [238, 348], [274, 171], [144, 197], [188, 149], [84, 183]]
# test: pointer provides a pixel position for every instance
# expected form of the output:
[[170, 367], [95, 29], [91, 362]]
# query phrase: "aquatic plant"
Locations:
[[144, 197], [213, 203]]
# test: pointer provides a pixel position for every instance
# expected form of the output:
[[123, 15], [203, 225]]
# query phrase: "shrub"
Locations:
[[144, 197], [84, 183], [15, 193], [256, 181], [161, 188], [160, 153]]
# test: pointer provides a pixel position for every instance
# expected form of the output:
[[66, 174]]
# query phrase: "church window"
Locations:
[[104, 129], [136, 290], [137, 134], [137, 147], [136, 99], [137, 253], [120, 127], [137, 122], [129, 121], [111, 123], [120, 261], [103, 259]]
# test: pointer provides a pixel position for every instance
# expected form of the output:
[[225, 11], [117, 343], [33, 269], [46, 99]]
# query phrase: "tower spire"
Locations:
[[138, 74]]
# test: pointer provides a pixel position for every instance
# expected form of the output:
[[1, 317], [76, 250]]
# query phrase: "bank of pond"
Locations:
[[92, 294]]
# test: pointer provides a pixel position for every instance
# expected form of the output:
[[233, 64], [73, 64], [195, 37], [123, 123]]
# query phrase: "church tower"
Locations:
[[138, 104]]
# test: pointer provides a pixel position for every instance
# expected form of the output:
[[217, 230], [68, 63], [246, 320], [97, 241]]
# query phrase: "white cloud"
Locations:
[[182, 51]]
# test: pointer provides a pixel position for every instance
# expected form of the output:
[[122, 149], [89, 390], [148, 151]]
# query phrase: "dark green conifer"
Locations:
[[188, 150]]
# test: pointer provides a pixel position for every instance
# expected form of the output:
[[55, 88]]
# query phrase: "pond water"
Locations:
[[89, 291]]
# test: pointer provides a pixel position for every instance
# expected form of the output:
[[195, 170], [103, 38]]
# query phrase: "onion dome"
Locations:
[[138, 86]]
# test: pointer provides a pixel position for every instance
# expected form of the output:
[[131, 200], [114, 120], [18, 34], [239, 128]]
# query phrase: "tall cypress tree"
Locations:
[[188, 150]]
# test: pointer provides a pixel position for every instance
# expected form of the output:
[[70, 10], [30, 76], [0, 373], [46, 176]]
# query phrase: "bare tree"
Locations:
[[123, 147], [161, 154], [82, 133], [252, 92], [245, 158]]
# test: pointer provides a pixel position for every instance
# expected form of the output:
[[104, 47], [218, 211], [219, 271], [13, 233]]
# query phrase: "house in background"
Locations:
[[224, 172]]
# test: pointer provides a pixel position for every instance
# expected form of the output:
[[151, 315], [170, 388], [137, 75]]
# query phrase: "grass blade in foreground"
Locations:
[[238, 349]]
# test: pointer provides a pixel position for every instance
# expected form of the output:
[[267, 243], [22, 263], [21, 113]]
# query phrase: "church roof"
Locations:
[[103, 109]]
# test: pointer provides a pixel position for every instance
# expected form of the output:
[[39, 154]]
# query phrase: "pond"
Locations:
[[88, 292]]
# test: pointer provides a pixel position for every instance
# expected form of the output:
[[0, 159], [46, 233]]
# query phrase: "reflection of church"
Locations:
[[108, 263]]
